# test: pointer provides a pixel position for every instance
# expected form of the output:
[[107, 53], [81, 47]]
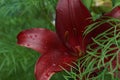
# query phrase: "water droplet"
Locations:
[[53, 64], [28, 45], [31, 36], [35, 35]]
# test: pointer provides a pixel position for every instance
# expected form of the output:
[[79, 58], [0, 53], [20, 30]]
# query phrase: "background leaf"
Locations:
[[116, 2], [17, 63], [88, 3]]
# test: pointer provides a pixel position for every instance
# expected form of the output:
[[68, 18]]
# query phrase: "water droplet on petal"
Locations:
[[35, 35], [30, 36], [53, 64], [28, 45]]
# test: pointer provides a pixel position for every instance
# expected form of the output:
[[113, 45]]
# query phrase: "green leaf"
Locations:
[[87, 3], [116, 2]]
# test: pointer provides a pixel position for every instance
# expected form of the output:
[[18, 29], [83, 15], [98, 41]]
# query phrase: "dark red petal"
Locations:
[[51, 62], [116, 63], [39, 39], [71, 20], [114, 13]]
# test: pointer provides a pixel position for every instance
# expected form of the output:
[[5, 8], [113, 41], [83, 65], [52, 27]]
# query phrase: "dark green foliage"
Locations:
[[116, 2], [17, 63]]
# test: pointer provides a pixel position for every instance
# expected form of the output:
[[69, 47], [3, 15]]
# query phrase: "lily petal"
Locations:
[[50, 63], [39, 39], [54, 54], [114, 13], [71, 19]]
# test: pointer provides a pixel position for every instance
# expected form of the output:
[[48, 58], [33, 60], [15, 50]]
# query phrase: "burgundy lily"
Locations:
[[65, 45]]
